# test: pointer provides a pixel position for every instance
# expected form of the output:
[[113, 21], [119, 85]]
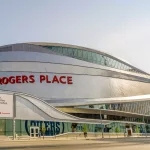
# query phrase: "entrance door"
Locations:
[[129, 132], [34, 131]]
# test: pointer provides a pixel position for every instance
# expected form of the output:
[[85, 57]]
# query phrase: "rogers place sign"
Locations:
[[31, 79]]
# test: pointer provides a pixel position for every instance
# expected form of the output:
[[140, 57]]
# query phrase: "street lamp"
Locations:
[[145, 122]]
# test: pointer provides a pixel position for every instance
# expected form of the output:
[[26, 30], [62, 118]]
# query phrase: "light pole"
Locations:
[[14, 115], [14, 126], [145, 122], [101, 124]]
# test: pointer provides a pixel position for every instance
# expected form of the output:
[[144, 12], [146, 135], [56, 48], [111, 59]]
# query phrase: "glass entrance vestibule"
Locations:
[[34, 131]]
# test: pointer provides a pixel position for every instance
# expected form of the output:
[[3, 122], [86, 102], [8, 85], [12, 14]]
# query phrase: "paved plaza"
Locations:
[[91, 144]]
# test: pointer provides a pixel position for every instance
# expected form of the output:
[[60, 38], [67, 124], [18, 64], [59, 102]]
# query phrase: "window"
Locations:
[[91, 106], [75, 53], [65, 51], [125, 67], [89, 56], [98, 57], [94, 57], [128, 68], [54, 49], [59, 49], [116, 65], [70, 52], [113, 63], [119, 65], [103, 61], [122, 66], [79, 53], [110, 61], [85, 55]]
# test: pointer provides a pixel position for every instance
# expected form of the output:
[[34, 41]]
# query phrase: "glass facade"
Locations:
[[112, 117], [55, 128], [134, 107], [92, 57]]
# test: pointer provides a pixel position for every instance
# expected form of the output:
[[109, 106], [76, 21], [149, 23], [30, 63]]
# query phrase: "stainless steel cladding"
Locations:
[[92, 74]]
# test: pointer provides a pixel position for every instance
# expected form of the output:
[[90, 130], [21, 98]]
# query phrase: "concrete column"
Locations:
[[14, 127]]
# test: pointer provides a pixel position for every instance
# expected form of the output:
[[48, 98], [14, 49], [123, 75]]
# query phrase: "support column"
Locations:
[[102, 124], [14, 127], [14, 115]]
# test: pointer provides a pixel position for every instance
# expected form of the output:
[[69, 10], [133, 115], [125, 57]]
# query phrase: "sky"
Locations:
[[118, 27]]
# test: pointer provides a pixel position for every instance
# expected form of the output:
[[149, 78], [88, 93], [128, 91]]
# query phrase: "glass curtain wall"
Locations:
[[92, 57]]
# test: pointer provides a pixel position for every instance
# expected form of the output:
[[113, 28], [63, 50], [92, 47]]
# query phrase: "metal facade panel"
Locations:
[[36, 67], [32, 108], [91, 83], [84, 86]]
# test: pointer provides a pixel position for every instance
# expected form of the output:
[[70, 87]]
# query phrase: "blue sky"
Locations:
[[118, 27]]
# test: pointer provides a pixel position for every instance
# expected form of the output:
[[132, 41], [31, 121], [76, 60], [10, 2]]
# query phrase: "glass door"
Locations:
[[34, 131]]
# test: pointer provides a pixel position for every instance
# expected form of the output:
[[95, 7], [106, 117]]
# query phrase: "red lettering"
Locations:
[[18, 79], [24, 79], [1, 81], [32, 80], [5, 80], [55, 79], [47, 81], [69, 80], [12, 80], [61, 81], [42, 78]]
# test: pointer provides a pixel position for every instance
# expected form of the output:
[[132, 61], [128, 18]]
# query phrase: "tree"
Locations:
[[137, 129], [43, 131], [85, 130], [117, 130]]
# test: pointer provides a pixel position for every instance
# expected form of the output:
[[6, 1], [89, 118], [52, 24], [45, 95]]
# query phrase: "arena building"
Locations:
[[62, 88]]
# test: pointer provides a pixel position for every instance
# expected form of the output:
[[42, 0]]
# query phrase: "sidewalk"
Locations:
[[45, 143], [27, 138], [37, 143]]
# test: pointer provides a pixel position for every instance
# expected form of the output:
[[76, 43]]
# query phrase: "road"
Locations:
[[95, 144]]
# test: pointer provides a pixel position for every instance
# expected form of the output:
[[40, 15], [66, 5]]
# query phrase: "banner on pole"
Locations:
[[7, 106]]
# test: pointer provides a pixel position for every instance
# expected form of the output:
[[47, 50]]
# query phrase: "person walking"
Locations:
[[85, 131], [40, 133]]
